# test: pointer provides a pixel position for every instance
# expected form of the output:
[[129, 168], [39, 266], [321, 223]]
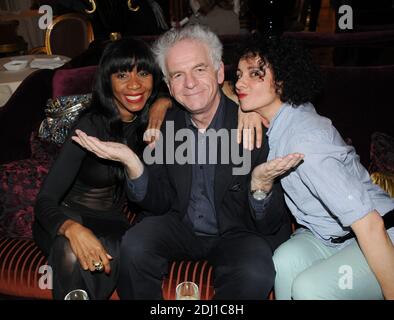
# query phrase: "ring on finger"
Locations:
[[98, 266]]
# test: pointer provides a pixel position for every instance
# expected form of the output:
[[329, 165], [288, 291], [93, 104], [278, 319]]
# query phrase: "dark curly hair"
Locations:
[[297, 79]]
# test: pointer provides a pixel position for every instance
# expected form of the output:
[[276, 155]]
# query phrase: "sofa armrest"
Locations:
[[20, 262]]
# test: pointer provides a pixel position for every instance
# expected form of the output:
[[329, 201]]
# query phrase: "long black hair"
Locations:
[[297, 79], [122, 56]]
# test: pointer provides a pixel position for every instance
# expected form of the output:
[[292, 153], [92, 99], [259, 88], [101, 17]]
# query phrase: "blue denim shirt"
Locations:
[[330, 189]]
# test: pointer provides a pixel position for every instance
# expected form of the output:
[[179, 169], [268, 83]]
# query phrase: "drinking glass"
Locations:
[[187, 291], [77, 294]]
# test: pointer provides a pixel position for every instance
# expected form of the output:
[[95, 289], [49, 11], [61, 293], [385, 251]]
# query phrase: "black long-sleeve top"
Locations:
[[80, 180]]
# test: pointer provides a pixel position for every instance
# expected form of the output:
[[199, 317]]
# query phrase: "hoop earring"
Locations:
[[93, 3], [129, 4]]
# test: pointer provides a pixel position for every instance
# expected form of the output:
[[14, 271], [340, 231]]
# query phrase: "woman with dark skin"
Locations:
[[79, 219]]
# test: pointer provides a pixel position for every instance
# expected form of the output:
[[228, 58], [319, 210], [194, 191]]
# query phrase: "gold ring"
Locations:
[[98, 265]]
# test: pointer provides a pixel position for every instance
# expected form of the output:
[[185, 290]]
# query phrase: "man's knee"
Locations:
[[132, 247], [257, 271], [260, 274], [141, 241], [247, 281]]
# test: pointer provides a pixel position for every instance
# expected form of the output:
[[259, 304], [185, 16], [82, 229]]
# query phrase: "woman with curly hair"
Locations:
[[342, 250]]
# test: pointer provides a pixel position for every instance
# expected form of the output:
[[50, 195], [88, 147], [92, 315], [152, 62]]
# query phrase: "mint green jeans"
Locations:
[[307, 269]]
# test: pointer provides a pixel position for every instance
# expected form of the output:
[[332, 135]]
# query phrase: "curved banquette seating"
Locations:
[[23, 272]]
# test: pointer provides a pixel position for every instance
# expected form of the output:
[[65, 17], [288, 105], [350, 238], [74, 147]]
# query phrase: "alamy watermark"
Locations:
[[345, 22], [345, 281], [46, 280], [221, 146], [46, 19]]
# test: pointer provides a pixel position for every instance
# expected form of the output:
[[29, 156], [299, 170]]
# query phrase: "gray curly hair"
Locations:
[[191, 32]]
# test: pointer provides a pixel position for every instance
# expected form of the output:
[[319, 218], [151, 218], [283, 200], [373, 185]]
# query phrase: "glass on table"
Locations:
[[187, 290], [77, 294]]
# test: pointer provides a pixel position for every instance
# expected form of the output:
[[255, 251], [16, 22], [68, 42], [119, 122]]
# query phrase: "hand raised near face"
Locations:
[[157, 113], [250, 129], [111, 151]]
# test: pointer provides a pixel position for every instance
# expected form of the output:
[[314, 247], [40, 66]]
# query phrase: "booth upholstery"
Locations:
[[23, 270], [358, 100]]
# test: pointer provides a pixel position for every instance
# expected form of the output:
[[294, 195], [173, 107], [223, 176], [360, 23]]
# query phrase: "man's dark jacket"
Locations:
[[170, 184]]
